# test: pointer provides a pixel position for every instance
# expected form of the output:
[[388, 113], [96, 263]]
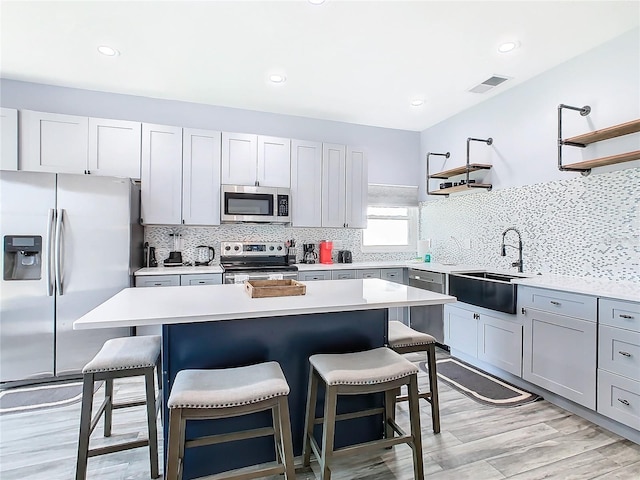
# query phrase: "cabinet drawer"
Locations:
[[618, 313], [619, 351], [619, 398], [392, 274], [553, 301], [158, 281], [204, 279], [368, 273], [432, 277], [316, 275], [343, 274]]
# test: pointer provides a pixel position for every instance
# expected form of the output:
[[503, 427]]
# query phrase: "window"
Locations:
[[390, 229]]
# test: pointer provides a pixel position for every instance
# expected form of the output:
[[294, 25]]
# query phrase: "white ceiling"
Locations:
[[352, 61]]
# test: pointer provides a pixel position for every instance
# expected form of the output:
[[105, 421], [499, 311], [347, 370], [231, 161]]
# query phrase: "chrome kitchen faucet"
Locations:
[[503, 248]]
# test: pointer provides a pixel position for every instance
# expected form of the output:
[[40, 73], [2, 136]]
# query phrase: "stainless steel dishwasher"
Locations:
[[428, 319]]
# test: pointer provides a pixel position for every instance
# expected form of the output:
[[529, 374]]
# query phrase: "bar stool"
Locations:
[[371, 371], [119, 358], [404, 339], [230, 392]]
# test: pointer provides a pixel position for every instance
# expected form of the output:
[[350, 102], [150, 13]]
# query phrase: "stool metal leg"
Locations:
[[85, 427], [151, 421], [328, 430], [414, 413], [310, 416], [108, 406], [433, 386], [285, 438]]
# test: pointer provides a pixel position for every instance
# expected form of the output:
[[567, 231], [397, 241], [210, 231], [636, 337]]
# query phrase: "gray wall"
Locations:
[[523, 121], [385, 148]]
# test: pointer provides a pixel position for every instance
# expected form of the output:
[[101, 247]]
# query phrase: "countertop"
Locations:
[[171, 305], [161, 270], [431, 267], [596, 287]]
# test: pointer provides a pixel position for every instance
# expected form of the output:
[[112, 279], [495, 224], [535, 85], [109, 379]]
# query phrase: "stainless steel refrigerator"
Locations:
[[70, 242]]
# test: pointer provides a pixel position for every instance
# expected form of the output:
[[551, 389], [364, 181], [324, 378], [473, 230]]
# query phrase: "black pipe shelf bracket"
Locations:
[[463, 170], [584, 111]]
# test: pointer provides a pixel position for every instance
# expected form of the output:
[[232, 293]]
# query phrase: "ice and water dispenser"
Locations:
[[22, 257]]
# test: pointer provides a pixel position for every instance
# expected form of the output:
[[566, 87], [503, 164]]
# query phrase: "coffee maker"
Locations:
[[310, 254]]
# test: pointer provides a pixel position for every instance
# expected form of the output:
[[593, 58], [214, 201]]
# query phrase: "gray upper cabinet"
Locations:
[[161, 174], [201, 154], [306, 187], [256, 160], [344, 187], [8, 139], [56, 143]]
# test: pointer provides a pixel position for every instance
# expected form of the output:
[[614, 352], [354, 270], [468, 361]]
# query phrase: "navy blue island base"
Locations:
[[288, 340]]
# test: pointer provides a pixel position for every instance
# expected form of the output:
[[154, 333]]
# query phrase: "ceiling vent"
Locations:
[[488, 84]]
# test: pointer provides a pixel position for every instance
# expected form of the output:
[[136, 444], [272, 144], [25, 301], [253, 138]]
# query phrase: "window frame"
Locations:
[[412, 219]]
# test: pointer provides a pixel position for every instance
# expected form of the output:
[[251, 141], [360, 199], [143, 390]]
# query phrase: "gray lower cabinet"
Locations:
[[158, 280], [368, 273], [559, 349], [203, 279], [392, 275], [619, 361], [493, 337], [314, 275], [343, 274]]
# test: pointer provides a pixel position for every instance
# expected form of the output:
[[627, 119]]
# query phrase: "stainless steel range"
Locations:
[[255, 261]]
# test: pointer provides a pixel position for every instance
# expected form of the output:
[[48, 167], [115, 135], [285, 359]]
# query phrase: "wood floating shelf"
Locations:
[[460, 170], [601, 162], [606, 133], [459, 188]]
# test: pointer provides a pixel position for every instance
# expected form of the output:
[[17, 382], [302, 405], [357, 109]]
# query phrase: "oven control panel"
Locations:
[[252, 249]]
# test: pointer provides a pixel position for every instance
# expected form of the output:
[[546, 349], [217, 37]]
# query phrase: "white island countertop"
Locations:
[[171, 305]]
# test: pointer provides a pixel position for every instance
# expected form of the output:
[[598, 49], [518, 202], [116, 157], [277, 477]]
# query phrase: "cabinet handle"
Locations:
[[624, 402], [622, 315], [553, 302], [158, 284], [476, 316], [625, 354], [524, 312]]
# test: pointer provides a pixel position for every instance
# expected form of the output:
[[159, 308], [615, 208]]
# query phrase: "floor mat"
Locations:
[[479, 385], [23, 399]]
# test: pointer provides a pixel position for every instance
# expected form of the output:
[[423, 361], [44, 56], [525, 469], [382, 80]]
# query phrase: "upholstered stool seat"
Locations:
[[119, 358], [371, 371], [404, 339], [230, 392]]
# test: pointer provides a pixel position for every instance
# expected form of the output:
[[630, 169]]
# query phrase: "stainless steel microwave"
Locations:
[[241, 203]]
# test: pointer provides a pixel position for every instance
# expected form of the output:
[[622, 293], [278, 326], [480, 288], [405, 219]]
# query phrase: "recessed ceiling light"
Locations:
[[507, 47], [277, 78], [316, 2], [108, 51], [418, 102]]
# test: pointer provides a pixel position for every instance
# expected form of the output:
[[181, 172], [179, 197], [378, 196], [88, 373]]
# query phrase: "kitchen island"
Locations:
[[219, 326]]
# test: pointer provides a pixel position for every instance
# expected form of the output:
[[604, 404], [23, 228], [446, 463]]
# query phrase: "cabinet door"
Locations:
[[461, 330], [356, 189], [114, 148], [158, 281], [333, 185], [239, 159], [50, 142], [559, 354], [392, 275], [500, 343], [306, 184], [201, 177], [161, 174], [368, 273], [274, 162], [8, 139]]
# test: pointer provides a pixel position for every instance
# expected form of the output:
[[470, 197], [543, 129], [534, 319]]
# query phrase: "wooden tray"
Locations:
[[274, 288]]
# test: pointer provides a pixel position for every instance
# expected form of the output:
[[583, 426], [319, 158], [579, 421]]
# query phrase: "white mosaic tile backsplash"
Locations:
[[342, 238], [583, 226]]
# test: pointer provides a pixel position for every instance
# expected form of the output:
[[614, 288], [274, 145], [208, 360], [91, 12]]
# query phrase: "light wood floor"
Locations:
[[535, 441]]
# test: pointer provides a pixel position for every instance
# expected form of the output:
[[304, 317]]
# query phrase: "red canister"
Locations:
[[325, 252]]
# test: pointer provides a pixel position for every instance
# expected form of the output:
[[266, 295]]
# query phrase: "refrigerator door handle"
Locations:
[[50, 229], [58, 253]]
